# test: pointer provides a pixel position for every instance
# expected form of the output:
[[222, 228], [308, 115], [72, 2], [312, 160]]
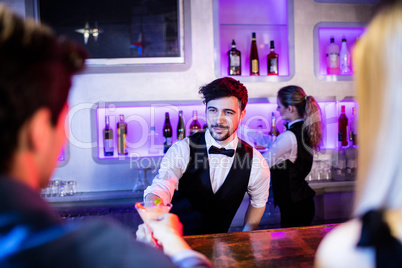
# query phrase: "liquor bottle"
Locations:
[[272, 60], [344, 58], [342, 127], [194, 126], [254, 61], [153, 142], [274, 131], [181, 130], [108, 146], [352, 127], [333, 58], [167, 133], [121, 136], [351, 151], [234, 60]]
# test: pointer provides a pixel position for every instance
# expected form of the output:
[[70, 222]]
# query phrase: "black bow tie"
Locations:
[[286, 125], [227, 152]]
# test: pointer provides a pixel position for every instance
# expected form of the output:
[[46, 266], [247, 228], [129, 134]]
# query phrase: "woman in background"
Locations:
[[291, 156], [373, 237]]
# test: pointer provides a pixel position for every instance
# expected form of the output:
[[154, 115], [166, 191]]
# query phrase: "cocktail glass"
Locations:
[[148, 210]]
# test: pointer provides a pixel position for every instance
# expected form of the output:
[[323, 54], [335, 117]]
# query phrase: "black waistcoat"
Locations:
[[199, 209], [288, 179]]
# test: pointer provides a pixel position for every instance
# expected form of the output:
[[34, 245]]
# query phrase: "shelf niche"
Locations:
[[270, 20], [323, 31]]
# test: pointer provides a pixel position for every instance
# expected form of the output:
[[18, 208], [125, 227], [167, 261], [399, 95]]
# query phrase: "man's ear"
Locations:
[[242, 115], [39, 130]]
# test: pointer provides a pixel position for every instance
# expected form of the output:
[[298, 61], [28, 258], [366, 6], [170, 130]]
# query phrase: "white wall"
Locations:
[[92, 88]]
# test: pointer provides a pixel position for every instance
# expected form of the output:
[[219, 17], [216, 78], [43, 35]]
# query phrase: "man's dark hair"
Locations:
[[35, 71], [225, 87]]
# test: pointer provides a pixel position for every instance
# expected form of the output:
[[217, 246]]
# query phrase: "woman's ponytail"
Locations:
[[312, 122]]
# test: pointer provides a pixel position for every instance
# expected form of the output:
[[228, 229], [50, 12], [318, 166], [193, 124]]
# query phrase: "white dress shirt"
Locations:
[[284, 147], [176, 159]]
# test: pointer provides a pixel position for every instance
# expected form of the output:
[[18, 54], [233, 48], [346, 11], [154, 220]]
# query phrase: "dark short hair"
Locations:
[[225, 87], [35, 71]]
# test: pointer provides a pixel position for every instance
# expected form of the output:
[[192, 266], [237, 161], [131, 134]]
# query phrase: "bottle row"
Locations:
[[338, 61], [234, 56], [129, 132], [154, 143], [259, 137]]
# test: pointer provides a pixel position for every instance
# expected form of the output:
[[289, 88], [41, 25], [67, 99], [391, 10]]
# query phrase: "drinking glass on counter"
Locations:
[[321, 171], [72, 187], [59, 188], [55, 186], [63, 188]]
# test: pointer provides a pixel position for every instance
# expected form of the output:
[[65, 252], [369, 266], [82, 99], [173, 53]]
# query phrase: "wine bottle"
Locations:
[[108, 146], [351, 151], [274, 130], [181, 130], [194, 126], [234, 60], [272, 59], [121, 136], [333, 57], [254, 61], [344, 58], [352, 127], [342, 127], [167, 133]]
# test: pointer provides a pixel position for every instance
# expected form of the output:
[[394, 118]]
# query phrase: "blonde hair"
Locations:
[[378, 64]]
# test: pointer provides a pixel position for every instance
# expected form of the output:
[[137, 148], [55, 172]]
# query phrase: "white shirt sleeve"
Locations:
[[284, 147], [258, 186], [172, 167]]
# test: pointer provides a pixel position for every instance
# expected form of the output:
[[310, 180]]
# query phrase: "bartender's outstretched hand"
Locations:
[[168, 230]]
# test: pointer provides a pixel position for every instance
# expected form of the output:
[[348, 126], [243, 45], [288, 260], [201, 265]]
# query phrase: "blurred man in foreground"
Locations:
[[35, 78]]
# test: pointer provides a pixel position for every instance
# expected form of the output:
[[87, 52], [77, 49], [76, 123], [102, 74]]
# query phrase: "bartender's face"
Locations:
[[223, 118], [285, 112]]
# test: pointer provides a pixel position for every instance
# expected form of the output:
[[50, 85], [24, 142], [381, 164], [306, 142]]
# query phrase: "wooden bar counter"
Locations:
[[289, 247]]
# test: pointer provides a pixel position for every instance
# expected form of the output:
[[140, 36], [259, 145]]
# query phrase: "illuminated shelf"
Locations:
[[140, 116], [270, 20], [323, 31]]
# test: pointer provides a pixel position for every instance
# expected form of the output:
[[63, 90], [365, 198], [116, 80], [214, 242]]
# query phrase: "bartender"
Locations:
[[291, 156], [206, 175]]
